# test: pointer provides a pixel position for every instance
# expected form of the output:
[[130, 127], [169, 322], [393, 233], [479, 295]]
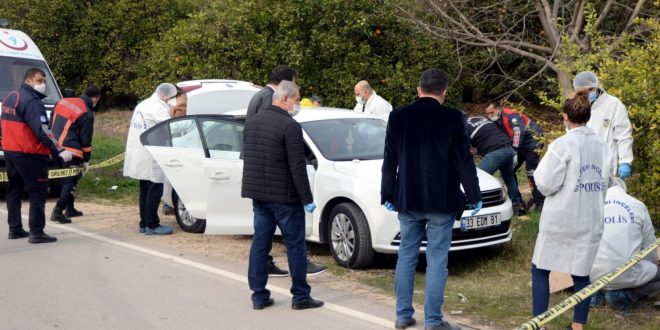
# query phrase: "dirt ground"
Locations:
[[104, 217]]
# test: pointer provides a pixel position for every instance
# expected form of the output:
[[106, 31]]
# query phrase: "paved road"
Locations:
[[99, 281]]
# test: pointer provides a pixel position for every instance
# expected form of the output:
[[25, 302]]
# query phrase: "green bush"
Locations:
[[332, 43]]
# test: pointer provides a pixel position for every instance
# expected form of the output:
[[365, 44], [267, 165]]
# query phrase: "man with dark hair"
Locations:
[[27, 143], [430, 138], [260, 101], [524, 134], [72, 123], [496, 152], [264, 98]]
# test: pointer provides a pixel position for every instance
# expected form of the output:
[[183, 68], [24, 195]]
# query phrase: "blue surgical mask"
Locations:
[[593, 96]]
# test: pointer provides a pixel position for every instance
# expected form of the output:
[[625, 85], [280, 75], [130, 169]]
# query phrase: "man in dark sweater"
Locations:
[[496, 152], [275, 177]]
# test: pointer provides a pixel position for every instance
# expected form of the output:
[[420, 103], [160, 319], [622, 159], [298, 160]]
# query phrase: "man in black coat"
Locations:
[[275, 177], [264, 98], [427, 158]]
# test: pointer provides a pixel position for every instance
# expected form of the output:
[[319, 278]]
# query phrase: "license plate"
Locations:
[[480, 221]]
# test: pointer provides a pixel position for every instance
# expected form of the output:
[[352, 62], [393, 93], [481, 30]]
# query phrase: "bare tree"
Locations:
[[533, 29]]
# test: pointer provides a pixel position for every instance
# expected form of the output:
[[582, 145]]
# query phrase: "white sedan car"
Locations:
[[200, 156]]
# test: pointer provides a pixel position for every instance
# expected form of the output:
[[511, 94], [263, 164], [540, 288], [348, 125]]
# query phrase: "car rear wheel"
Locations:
[[187, 222], [349, 237]]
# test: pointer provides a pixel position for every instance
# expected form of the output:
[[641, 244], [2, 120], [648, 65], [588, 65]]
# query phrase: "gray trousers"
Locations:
[[647, 290]]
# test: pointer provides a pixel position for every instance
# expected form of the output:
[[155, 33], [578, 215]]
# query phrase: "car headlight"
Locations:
[[504, 189]]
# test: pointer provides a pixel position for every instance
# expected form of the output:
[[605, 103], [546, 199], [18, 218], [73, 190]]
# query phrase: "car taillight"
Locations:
[[189, 89]]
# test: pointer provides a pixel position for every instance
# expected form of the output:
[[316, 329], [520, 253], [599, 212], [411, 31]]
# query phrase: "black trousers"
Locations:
[[150, 194], [531, 159], [31, 172], [67, 196]]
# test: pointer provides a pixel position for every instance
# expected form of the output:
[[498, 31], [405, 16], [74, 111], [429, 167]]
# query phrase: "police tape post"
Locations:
[[73, 171], [552, 313]]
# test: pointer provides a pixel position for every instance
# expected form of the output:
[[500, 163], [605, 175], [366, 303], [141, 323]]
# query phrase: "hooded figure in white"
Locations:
[[571, 177], [138, 163], [628, 230], [609, 119]]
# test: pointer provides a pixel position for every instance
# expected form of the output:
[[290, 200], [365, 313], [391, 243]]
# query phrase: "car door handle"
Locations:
[[219, 176], [174, 163]]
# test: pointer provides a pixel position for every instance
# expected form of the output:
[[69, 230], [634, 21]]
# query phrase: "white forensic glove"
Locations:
[[85, 168], [515, 160], [66, 155]]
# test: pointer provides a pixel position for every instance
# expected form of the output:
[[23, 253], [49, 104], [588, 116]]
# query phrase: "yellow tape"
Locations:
[[73, 171], [550, 314]]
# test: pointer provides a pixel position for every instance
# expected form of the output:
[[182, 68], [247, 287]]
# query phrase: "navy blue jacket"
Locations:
[[427, 158], [485, 135], [25, 124]]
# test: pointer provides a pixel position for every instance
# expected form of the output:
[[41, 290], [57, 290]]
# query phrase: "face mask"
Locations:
[[171, 102], [494, 118], [296, 110], [359, 100], [593, 96], [40, 88]]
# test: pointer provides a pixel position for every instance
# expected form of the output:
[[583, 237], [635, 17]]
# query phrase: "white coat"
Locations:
[[138, 163], [570, 175], [609, 119], [375, 106], [628, 230]]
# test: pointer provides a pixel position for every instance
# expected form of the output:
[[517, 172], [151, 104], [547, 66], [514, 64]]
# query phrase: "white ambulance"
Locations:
[[18, 53]]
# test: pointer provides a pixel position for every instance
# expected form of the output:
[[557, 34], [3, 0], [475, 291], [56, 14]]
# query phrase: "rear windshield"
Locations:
[[12, 73]]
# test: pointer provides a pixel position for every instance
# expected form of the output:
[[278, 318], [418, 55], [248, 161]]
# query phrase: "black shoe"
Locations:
[[314, 269], [404, 324], [41, 238], [18, 234], [72, 212], [268, 303], [309, 303], [274, 271], [443, 326], [58, 216]]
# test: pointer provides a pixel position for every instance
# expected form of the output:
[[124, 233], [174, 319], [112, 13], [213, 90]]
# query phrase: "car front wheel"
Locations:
[[349, 236], [187, 222]]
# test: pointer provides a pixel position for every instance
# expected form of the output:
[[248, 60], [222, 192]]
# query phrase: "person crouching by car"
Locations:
[[275, 178], [572, 178], [72, 123], [138, 163]]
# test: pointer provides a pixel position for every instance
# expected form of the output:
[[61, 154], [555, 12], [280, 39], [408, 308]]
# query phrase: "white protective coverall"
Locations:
[[628, 230], [138, 163], [375, 106], [570, 176], [609, 119]]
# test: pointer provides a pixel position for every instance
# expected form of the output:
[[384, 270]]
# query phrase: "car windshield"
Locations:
[[347, 139], [12, 71]]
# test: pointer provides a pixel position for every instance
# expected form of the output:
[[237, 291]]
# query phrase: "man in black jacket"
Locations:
[[264, 98], [275, 177], [72, 123], [496, 152], [427, 158]]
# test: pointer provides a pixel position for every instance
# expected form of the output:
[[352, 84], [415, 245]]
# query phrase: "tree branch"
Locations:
[[634, 15], [603, 13]]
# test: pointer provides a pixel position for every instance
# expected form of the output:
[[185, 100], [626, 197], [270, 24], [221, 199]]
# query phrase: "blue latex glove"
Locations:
[[625, 170], [476, 207], [389, 206], [310, 207]]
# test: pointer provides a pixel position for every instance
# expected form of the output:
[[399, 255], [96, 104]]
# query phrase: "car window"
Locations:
[[185, 134], [12, 71], [223, 139], [348, 138]]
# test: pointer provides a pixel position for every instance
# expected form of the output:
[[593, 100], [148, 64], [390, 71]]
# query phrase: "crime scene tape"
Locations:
[[550, 314], [73, 171]]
